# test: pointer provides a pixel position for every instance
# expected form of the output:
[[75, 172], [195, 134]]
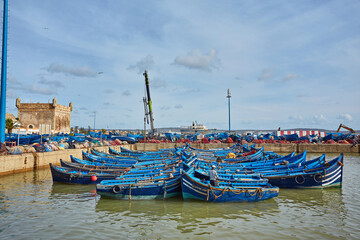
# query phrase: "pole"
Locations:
[[3, 74], [94, 119], [228, 97], [144, 131], [149, 103]]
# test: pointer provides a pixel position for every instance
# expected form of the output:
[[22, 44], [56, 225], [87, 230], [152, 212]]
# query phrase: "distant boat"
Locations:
[[194, 127]]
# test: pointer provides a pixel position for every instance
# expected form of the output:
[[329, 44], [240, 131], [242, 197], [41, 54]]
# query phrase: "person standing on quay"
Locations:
[[213, 176]]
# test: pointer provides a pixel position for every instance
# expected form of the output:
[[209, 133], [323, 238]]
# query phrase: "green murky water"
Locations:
[[32, 207]]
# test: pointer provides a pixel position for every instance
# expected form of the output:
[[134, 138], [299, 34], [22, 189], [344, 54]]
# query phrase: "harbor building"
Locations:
[[44, 117]]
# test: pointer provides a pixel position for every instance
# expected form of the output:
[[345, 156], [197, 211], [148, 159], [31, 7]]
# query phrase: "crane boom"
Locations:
[[347, 128], [149, 102]]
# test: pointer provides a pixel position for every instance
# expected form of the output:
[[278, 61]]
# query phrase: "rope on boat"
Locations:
[[237, 191], [216, 196], [258, 191]]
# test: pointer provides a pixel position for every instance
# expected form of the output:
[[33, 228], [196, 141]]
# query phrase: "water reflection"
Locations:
[[311, 197], [64, 189], [143, 207]]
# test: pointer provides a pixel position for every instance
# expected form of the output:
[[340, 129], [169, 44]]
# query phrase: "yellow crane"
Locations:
[[347, 128]]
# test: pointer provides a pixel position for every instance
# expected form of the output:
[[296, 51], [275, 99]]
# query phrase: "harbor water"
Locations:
[[32, 207]]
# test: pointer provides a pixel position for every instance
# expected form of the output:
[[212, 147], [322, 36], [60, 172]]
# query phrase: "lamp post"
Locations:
[[228, 97]]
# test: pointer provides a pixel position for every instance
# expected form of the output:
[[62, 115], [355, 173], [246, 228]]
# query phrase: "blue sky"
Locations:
[[287, 64]]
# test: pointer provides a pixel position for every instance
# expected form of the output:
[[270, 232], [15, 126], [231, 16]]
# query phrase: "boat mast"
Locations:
[[149, 103]]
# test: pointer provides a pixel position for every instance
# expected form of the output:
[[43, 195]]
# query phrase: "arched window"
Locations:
[[31, 126]]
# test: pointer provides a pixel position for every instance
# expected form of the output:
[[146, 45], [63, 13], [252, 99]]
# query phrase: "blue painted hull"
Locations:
[[142, 191], [193, 188], [125, 162], [329, 175], [60, 174]]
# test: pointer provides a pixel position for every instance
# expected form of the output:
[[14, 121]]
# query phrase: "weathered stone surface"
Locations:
[[31, 115]]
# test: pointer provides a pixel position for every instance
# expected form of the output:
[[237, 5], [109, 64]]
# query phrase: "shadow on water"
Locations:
[[187, 209], [144, 207], [72, 191], [64, 188]]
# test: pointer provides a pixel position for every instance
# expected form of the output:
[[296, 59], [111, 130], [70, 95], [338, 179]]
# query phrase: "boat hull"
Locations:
[[59, 175], [158, 190], [193, 189], [328, 177]]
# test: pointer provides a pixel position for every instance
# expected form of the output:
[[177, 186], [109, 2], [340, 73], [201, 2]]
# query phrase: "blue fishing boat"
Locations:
[[283, 162], [94, 158], [165, 186], [327, 174], [70, 175], [315, 173], [195, 188], [93, 168]]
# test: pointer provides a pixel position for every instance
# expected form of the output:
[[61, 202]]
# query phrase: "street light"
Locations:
[[228, 97]]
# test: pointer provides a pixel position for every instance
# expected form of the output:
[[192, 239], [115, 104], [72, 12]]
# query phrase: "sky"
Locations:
[[288, 64]]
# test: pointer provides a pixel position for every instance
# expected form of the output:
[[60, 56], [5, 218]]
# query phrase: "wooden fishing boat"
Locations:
[[146, 156], [315, 173], [195, 188], [86, 167], [70, 175], [98, 164], [165, 186], [93, 175], [279, 163], [328, 174], [92, 157]]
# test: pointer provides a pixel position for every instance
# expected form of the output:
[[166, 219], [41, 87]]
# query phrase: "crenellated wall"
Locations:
[[31, 115]]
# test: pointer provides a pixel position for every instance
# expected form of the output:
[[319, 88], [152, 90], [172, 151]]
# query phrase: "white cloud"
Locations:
[[197, 60], [126, 93], [165, 107], [266, 75], [290, 77], [50, 83], [13, 81], [142, 65], [83, 71], [156, 83], [296, 118], [345, 116], [319, 118], [40, 90]]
